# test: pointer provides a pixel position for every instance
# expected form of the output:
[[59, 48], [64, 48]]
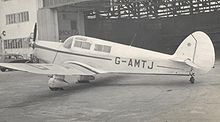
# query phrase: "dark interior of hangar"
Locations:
[[158, 25], [161, 35]]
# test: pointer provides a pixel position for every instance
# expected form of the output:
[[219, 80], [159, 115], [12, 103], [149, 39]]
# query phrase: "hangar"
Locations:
[[142, 23], [153, 24]]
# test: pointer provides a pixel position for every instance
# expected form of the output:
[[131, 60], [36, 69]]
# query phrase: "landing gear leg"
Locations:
[[192, 80]]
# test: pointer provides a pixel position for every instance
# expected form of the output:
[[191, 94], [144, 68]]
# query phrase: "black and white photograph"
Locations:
[[109, 61]]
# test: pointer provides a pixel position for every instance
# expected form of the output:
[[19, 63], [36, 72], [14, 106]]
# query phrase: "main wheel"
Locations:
[[192, 80], [3, 69]]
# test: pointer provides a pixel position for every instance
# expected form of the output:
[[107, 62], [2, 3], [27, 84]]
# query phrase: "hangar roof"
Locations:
[[76, 3], [136, 8]]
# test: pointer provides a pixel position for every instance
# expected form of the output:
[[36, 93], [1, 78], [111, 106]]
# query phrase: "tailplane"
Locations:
[[196, 51]]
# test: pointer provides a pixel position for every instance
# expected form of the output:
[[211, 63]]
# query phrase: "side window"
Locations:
[[83, 45], [102, 48], [98, 47], [86, 45], [77, 44], [107, 49], [68, 42]]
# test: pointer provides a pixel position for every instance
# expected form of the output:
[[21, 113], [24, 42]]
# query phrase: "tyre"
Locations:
[[3, 69]]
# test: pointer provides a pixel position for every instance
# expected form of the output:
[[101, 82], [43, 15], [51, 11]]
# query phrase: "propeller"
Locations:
[[35, 32], [32, 43]]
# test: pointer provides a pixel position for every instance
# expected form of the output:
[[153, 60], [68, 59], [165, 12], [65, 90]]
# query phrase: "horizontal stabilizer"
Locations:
[[191, 64]]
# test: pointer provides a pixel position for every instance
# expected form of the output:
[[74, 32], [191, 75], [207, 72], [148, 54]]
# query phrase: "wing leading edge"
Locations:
[[73, 68]]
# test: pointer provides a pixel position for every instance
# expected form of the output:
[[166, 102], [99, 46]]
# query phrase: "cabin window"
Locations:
[[77, 44], [102, 48], [83, 45], [107, 49], [86, 45], [68, 43], [98, 47]]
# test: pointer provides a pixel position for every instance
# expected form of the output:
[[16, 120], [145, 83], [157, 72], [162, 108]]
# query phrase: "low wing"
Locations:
[[69, 68]]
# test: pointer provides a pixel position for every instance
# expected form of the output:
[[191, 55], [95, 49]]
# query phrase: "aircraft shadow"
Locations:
[[46, 95]]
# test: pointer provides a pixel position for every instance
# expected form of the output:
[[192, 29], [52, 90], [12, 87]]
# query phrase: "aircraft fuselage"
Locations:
[[119, 59]]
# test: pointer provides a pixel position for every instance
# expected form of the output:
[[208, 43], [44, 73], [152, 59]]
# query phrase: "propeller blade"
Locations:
[[35, 32]]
